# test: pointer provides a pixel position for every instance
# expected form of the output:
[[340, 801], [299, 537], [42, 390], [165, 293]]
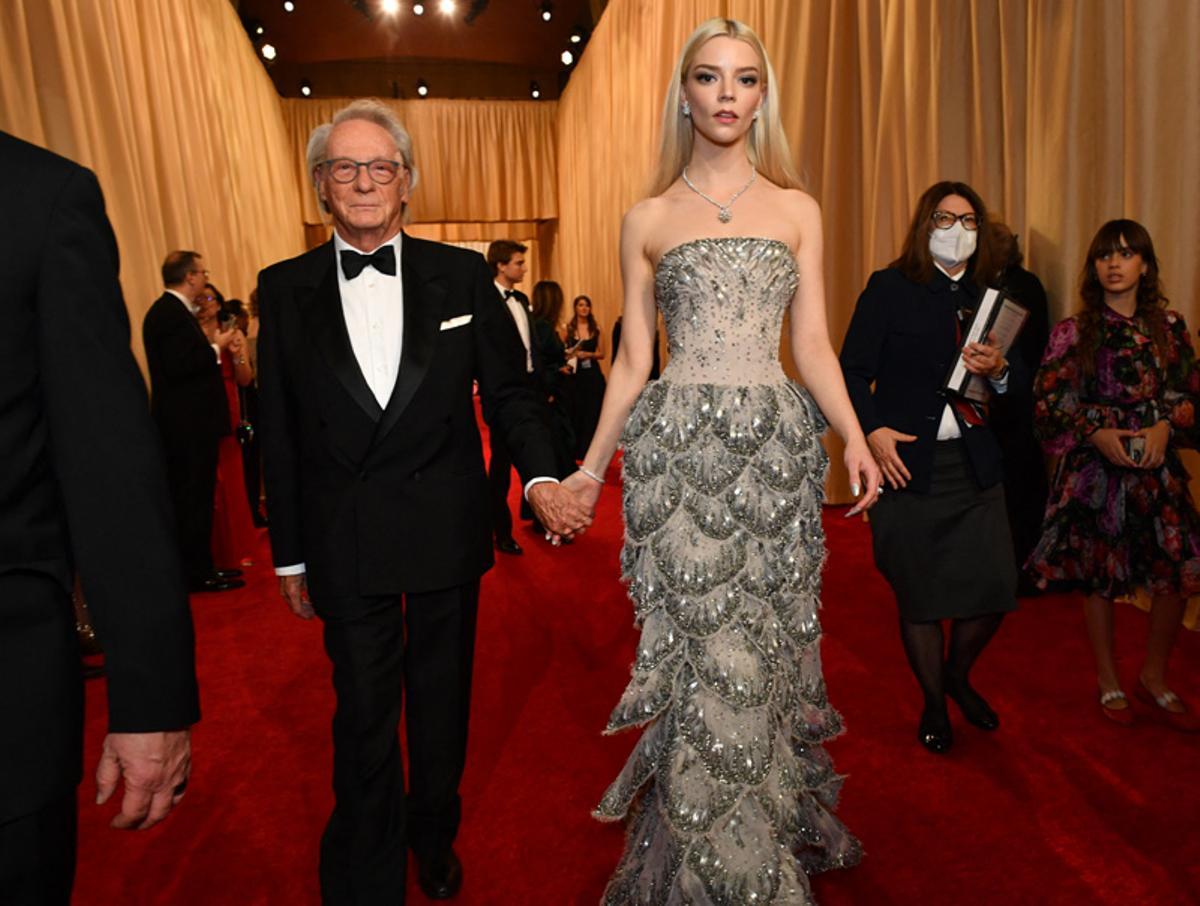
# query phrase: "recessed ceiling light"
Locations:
[[389, 7], [576, 35], [446, 7], [268, 51], [535, 90], [258, 30], [306, 88], [422, 87], [289, 6], [418, 9], [567, 57], [547, 11]]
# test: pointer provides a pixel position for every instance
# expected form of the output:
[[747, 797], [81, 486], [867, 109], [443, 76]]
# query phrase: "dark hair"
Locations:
[[1151, 303], [216, 294], [501, 252], [572, 329], [1005, 247], [547, 302], [916, 263], [176, 267]]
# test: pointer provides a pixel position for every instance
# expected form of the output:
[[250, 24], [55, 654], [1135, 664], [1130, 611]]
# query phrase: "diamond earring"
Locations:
[[687, 108]]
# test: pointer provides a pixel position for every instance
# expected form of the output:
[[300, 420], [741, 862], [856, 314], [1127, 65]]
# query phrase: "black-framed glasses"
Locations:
[[943, 220], [345, 170]]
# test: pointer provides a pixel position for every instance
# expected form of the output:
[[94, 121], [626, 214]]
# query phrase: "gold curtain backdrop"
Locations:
[[166, 101], [1061, 113], [479, 161]]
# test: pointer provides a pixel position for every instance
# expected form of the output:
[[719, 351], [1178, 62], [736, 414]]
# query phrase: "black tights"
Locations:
[[925, 645]]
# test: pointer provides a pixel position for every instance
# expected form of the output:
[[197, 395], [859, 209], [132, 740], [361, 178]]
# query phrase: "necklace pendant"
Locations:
[[724, 215]]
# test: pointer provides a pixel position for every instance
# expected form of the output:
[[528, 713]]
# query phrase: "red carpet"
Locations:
[[1058, 807]]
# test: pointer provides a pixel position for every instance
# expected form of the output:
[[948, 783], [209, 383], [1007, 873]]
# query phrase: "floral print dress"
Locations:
[[1110, 530]]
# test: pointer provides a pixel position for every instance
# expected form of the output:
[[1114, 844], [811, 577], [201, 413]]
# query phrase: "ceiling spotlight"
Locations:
[[535, 91], [422, 88], [446, 7], [389, 7], [418, 9], [547, 11], [259, 30], [289, 6], [306, 88], [268, 52], [567, 57], [577, 35]]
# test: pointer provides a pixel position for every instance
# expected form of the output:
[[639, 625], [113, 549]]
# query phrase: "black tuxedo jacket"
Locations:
[[82, 485], [187, 396], [524, 300], [388, 501], [902, 339]]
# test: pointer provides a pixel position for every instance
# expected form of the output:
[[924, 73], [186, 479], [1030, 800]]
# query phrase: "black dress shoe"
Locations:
[[973, 706], [509, 546], [440, 879], [934, 731], [215, 584], [227, 573]]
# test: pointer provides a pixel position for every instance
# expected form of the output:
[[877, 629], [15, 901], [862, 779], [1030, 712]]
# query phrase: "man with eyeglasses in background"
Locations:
[[187, 400], [368, 348]]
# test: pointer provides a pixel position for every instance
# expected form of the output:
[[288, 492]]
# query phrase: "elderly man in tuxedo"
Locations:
[[377, 496], [82, 488]]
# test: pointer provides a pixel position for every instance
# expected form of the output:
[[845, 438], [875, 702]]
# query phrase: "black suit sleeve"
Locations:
[[281, 465], [110, 471], [179, 355], [862, 350], [510, 402]]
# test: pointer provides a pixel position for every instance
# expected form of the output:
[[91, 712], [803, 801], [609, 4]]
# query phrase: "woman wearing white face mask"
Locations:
[[940, 534]]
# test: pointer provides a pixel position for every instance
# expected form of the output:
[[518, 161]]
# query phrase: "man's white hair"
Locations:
[[372, 111]]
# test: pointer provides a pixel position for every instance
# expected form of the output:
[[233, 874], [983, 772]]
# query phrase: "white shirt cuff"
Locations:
[[1000, 385], [294, 569], [216, 351], [539, 480]]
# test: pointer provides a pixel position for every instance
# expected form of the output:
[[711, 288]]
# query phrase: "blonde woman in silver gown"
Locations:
[[729, 792]]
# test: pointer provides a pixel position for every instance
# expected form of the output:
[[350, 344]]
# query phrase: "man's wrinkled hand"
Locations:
[[155, 767], [294, 590], [562, 512]]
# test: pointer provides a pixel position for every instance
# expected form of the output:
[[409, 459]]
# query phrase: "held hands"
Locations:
[[1157, 437], [155, 767], [985, 359], [560, 510], [585, 489], [864, 476], [882, 442], [1111, 443], [294, 590]]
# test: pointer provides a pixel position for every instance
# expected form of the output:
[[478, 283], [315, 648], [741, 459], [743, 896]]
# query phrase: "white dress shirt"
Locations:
[[521, 316], [948, 427], [373, 306]]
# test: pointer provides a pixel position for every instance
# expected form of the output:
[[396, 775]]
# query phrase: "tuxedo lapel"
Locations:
[[327, 326], [422, 305]]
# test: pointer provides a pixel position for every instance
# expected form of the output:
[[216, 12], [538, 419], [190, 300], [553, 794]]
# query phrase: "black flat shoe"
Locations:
[[973, 706], [509, 546], [440, 879], [934, 731]]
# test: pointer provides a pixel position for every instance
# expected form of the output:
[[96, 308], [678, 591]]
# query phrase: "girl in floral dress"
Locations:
[[1115, 398]]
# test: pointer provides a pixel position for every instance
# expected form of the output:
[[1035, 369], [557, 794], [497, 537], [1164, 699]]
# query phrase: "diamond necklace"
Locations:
[[724, 212]]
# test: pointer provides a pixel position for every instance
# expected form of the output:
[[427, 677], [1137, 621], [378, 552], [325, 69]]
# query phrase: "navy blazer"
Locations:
[[903, 340]]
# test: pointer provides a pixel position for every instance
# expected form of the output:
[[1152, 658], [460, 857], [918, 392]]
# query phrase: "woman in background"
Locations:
[[586, 346], [1115, 399], [940, 535]]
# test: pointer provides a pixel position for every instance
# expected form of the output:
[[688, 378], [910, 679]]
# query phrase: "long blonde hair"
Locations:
[[767, 146]]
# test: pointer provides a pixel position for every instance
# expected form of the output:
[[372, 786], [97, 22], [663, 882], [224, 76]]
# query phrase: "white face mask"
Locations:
[[952, 247]]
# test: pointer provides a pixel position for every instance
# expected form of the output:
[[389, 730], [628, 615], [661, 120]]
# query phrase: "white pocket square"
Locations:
[[456, 322]]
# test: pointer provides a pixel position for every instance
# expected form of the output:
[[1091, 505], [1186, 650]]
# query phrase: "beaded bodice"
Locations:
[[723, 301]]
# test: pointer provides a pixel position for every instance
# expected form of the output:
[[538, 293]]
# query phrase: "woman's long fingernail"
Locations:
[[854, 490]]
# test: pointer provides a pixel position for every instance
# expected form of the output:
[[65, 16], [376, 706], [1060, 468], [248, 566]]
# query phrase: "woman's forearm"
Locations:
[[822, 375], [625, 382]]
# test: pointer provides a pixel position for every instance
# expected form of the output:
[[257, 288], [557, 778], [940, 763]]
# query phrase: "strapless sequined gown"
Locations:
[[728, 792]]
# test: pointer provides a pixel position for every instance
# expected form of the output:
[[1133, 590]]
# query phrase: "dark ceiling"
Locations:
[[482, 49]]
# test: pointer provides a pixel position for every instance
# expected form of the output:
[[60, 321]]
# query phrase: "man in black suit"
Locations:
[[187, 400], [82, 487], [506, 258], [377, 496]]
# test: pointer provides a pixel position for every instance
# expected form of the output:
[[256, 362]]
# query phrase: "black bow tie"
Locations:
[[383, 259], [509, 293]]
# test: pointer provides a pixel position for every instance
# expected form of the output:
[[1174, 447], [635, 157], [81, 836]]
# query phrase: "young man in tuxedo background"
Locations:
[[507, 260]]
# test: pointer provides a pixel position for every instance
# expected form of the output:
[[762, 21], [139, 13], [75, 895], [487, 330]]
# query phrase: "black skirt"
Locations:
[[948, 553]]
